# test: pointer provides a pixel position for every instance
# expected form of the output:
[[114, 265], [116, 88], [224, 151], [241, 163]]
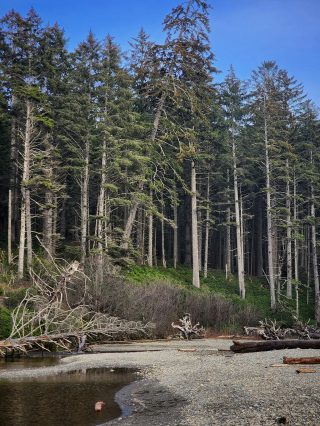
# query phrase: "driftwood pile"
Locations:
[[187, 330], [271, 330], [47, 320]]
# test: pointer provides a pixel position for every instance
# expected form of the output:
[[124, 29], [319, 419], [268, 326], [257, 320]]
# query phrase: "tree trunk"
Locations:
[[296, 253], [194, 230], [207, 229], [150, 236], [85, 202], [239, 227], [48, 223], [101, 214], [228, 231], [289, 233], [314, 248], [25, 221], [175, 235], [9, 226], [269, 217], [199, 240], [140, 237], [163, 251]]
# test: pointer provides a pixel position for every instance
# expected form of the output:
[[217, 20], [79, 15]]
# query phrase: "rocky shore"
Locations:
[[202, 383]]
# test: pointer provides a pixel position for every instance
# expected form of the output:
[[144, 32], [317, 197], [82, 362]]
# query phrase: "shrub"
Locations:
[[163, 303], [5, 323]]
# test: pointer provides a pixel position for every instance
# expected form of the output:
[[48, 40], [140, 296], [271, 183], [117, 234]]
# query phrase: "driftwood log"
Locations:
[[270, 345], [303, 360]]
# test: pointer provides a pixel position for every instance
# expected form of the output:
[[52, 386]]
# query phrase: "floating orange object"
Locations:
[[99, 405]]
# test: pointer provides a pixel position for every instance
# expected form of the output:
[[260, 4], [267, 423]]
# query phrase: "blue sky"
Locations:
[[244, 32]]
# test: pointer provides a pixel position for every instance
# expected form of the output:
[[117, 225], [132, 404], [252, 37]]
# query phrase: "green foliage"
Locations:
[[5, 323], [257, 291]]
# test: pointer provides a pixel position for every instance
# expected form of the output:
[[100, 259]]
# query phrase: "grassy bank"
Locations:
[[257, 291]]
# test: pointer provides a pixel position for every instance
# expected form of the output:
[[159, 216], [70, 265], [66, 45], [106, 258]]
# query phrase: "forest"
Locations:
[[140, 159]]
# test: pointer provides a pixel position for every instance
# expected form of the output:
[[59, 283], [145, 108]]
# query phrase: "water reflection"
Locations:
[[64, 399]]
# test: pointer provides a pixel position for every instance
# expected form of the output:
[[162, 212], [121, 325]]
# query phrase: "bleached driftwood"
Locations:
[[272, 330], [46, 319], [187, 330]]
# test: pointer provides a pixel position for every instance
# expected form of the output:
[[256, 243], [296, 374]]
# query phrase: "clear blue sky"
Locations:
[[244, 32]]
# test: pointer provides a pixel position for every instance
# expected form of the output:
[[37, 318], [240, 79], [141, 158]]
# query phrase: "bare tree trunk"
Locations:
[[289, 234], [239, 227], [228, 231], [101, 214], [199, 240], [10, 227], [207, 229], [314, 248], [55, 225], [28, 229], [269, 216], [194, 232], [85, 202], [25, 194], [163, 251], [296, 253], [48, 223], [150, 236], [22, 236], [140, 236], [175, 235]]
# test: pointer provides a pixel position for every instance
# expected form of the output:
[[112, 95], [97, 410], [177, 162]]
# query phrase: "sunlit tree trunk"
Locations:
[[228, 231], [25, 221], [101, 214], [207, 229], [289, 232], [85, 202], [239, 227], [175, 235], [163, 250], [269, 215], [150, 236], [194, 230]]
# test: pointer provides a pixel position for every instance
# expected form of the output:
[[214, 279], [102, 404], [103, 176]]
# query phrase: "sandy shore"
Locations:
[[204, 387]]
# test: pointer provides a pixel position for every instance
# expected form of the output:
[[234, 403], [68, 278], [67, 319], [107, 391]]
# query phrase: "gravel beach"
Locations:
[[209, 386]]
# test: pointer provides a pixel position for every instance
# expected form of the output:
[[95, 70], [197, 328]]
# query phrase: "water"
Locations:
[[62, 400]]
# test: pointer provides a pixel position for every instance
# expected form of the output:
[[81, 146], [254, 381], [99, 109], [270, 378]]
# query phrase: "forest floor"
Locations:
[[207, 386]]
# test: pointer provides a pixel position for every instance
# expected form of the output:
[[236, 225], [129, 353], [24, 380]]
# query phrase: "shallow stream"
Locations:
[[61, 400]]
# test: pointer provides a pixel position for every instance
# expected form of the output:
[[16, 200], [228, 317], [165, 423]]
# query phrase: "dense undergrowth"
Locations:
[[162, 295], [257, 291]]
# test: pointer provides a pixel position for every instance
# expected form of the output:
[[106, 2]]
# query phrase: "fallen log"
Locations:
[[303, 360], [305, 370], [270, 345]]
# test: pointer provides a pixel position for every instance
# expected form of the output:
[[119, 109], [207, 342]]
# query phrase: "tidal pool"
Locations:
[[62, 400]]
